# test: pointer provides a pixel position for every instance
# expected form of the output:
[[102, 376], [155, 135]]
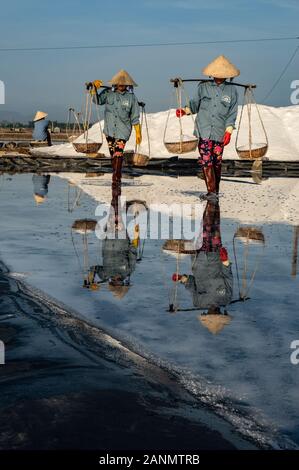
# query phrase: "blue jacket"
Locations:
[[216, 108], [119, 258], [121, 113], [40, 130], [211, 282], [40, 184]]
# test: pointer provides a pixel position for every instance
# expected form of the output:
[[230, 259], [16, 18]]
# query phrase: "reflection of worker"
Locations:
[[216, 106], [119, 262], [121, 114], [211, 281], [40, 187], [41, 128], [119, 254]]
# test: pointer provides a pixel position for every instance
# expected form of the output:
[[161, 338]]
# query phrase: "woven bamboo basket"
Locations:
[[250, 234], [87, 147], [94, 175], [136, 159], [10, 145], [182, 147], [36, 144], [177, 246], [84, 225], [258, 151]]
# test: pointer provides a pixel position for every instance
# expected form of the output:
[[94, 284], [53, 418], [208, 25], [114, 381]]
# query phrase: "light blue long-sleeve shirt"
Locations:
[[216, 107], [121, 113], [211, 283], [40, 184], [119, 258]]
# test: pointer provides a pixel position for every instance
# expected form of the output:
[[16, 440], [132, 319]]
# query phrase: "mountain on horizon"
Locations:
[[14, 116]]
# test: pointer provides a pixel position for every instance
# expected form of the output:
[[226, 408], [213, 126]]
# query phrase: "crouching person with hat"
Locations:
[[121, 115], [41, 128], [40, 187], [216, 106]]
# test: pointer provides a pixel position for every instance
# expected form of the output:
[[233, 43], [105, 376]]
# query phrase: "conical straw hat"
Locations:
[[40, 115], [215, 323], [221, 67], [118, 291], [39, 199], [122, 78]]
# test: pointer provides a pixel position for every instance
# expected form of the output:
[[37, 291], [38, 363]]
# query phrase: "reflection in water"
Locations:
[[119, 262], [84, 227], [247, 236], [210, 282], [252, 357], [120, 253], [74, 194], [40, 187], [295, 251]]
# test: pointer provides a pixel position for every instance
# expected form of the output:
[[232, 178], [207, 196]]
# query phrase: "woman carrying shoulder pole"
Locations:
[[121, 115], [216, 106]]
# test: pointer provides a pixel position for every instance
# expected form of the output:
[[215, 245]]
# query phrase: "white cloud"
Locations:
[[189, 4], [285, 4], [219, 4]]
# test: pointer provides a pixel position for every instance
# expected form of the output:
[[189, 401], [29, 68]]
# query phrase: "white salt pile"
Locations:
[[252, 147], [183, 138], [282, 126], [275, 200], [91, 136]]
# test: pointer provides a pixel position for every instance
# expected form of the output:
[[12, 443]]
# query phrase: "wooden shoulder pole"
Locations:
[[177, 80]]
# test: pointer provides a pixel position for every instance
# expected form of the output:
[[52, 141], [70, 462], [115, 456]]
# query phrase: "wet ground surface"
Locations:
[[65, 386], [243, 373]]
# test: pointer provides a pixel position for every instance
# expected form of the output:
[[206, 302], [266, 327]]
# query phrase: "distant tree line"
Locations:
[[29, 125]]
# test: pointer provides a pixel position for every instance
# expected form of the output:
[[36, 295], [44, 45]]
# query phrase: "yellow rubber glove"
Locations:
[[135, 241], [97, 83], [137, 128], [93, 86]]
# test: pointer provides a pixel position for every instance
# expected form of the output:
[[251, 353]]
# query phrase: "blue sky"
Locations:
[[53, 80]]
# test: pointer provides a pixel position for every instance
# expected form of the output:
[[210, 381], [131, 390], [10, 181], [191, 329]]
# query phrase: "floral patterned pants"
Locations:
[[116, 146], [116, 150], [210, 153], [211, 228]]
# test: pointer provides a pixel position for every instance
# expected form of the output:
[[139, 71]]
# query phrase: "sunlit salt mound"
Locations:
[[282, 126]]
